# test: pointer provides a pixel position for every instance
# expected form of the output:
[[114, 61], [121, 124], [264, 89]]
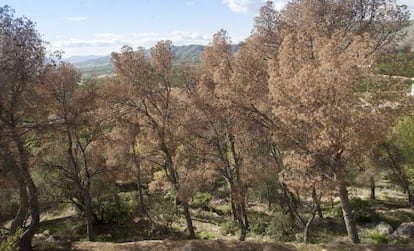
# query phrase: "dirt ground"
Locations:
[[220, 245]]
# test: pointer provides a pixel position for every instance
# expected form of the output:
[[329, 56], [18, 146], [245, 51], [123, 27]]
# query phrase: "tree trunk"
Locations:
[[27, 237], [232, 200], [307, 225], [25, 242], [188, 220], [406, 187], [372, 184], [243, 232], [269, 202], [292, 204], [398, 170], [87, 200], [243, 220], [23, 207], [346, 207], [316, 203], [139, 182], [410, 197], [141, 196]]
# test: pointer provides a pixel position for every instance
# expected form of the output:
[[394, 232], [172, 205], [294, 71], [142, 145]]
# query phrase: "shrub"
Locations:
[[282, 227], [228, 227], [201, 200], [378, 238], [361, 210], [9, 243], [204, 235], [112, 209], [162, 208], [258, 222]]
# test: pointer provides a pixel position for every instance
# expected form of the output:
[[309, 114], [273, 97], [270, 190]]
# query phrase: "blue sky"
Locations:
[[98, 27]]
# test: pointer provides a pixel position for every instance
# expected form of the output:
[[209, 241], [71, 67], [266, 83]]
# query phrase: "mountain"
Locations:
[[94, 61], [79, 59], [188, 52], [101, 65], [183, 53]]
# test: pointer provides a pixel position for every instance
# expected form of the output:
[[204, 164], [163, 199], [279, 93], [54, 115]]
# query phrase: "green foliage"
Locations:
[[223, 209], [9, 204], [110, 207], [404, 133], [268, 190], [282, 227], [204, 235], [397, 63], [362, 210], [378, 238], [365, 86], [201, 200], [69, 228], [299, 237], [258, 222], [9, 243], [162, 207], [229, 227]]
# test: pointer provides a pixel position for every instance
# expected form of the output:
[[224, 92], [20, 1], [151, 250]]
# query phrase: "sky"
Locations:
[[98, 27]]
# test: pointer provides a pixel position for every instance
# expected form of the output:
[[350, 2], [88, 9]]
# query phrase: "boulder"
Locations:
[[405, 231], [43, 236], [384, 228]]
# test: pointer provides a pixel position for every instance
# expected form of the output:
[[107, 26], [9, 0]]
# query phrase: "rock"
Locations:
[[43, 236], [405, 231], [51, 239], [384, 228]]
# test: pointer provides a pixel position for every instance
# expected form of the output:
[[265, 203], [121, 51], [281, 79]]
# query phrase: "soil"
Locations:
[[219, 245]]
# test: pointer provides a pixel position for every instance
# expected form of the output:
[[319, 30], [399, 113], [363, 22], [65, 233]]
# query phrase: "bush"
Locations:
[[9, 243], [378, 238], [282, 228], [228, 227], [162, 208], [8, 206], [361, 210], [258, 222], [112, 209], [201, 200], [204, 235]]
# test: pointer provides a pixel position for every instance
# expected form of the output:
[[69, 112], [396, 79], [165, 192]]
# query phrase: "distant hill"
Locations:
[[80, 59], [183, 53], [98, 65], [188, 52], [101, 65]]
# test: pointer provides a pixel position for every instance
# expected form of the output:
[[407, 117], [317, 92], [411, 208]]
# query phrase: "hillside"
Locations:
[[101, 66]]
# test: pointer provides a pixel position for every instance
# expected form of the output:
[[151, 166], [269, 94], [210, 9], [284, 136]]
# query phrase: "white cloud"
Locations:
[[239, 6], [253, 6], [76, 19], [279, 4], [243, 6], [105, 43]]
